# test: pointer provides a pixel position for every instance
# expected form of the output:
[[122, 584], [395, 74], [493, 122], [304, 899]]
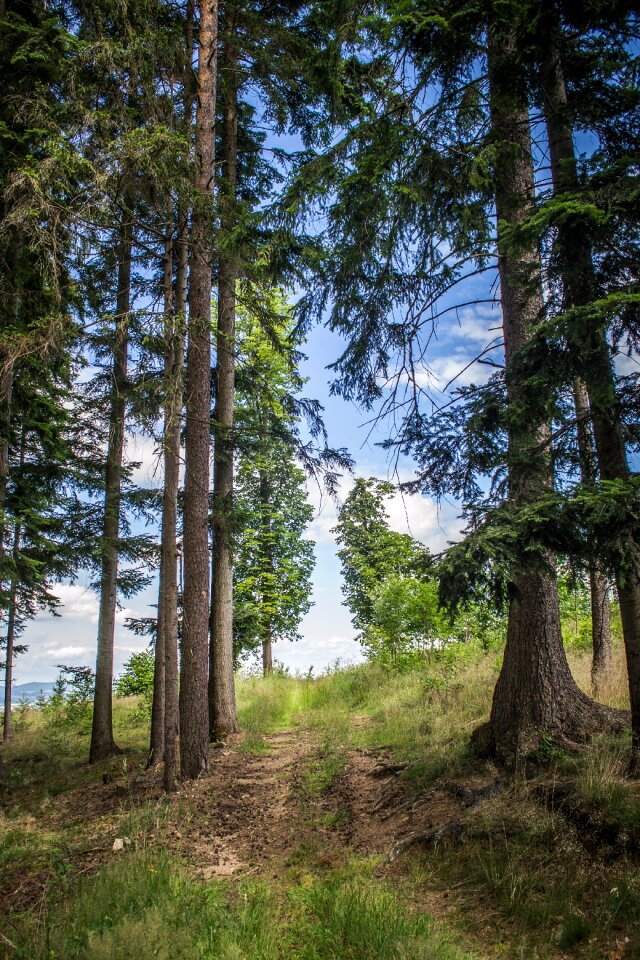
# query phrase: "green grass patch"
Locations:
[[145, 906], [322, 771]]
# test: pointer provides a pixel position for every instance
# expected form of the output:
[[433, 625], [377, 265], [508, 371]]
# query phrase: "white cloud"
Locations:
[[626, 365], [55, 652], [417, 515], [80, 603], [319, 654], [479, 324], [144, 451]]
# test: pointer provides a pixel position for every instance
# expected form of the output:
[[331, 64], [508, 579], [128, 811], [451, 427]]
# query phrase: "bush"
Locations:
[[137, 679], [70, 706]]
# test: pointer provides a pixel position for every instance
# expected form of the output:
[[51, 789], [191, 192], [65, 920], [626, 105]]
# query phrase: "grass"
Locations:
[[421, 715], [523, 871], [146, 906]]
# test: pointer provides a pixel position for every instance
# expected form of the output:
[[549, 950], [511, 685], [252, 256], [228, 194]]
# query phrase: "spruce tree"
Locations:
[[587, 336], [194, 711]]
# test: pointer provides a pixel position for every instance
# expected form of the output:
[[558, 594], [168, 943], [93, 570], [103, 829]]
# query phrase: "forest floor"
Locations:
[[347, 820]]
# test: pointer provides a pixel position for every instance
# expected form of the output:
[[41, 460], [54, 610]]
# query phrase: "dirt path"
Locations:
[[252, 814]]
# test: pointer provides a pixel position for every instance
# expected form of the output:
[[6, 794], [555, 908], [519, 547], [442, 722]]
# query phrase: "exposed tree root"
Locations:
[[453, 829], [592, 826]]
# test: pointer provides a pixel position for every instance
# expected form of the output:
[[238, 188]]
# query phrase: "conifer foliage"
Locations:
[[174, 175]]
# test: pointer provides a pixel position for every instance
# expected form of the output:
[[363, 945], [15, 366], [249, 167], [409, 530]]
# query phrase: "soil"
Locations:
[[250, 814]]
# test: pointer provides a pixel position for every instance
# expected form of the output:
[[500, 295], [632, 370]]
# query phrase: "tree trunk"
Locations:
[[222, 700], [174, 399], [194, 711], [11, 635], [156, 746], [8, 670], [6, 391], [535, 693], [592, 358], [600, 614], [173, 416], [267, 568], [103, 744]]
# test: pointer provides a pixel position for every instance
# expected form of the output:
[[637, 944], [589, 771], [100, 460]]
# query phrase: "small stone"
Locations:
[[118, 844]]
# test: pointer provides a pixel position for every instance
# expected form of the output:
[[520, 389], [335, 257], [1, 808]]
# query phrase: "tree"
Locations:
[[411, 227], [273, 561], [194, 710], [103, 744], [222, 703], [137, 676], [406, 620], [535, 690], [370, 552], [586, 331]]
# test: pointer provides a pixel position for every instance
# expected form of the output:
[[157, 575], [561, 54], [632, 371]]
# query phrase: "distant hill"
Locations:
[[29, 691]]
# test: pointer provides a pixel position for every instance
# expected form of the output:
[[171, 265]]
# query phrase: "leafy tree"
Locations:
[[370, 552], [406, 620], [137, 676]]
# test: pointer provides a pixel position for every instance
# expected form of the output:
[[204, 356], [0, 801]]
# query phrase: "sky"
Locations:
[[327, 633]]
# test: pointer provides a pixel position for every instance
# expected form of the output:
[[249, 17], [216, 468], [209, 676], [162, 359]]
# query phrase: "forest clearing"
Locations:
[[315, 834], [319, 488]]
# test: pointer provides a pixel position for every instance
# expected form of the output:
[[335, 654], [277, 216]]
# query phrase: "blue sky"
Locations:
[[326, 631]]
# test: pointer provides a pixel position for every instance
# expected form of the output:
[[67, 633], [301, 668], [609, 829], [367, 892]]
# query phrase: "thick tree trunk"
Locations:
[[156, 745], [222, 700], [103, 744], [592, 357], [174, 362], [267, 651], [535, 693], [194, 710], [267, 568]]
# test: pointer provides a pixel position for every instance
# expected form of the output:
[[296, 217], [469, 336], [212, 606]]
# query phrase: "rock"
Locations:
[[118, 844]]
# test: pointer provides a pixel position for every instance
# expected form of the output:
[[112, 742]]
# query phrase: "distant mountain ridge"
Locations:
[[29, 691]]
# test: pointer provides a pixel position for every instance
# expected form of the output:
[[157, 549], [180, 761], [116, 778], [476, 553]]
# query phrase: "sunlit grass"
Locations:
[[145, 906]]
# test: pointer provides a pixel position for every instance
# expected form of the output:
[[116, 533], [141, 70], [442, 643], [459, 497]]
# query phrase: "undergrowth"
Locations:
[[145, 906], [523, 868]]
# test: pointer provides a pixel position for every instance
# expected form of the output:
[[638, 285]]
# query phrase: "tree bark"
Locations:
[[6, 391], [267, 567], [174, 388], [11, 625], [157, 739], [222, 701], [535, 693], [11, 635], [194, 712], [103, 744], [602, 659], [592, 358]]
